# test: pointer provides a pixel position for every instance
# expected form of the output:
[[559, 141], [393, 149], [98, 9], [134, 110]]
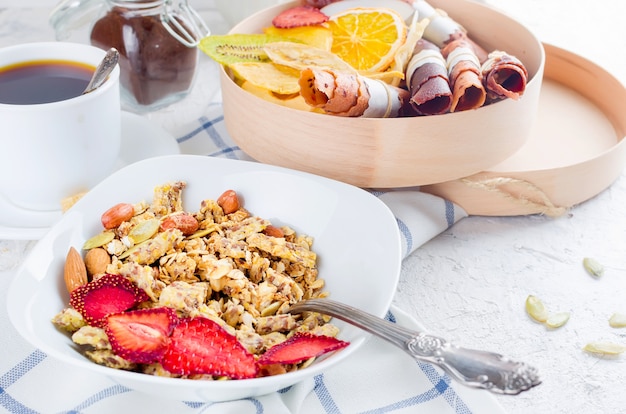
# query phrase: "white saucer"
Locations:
[[140, 140]]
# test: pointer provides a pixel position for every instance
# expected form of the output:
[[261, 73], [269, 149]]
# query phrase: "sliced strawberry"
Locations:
[[300, 347], [104, 296], [141, 336], [299, 16], [201, 346]]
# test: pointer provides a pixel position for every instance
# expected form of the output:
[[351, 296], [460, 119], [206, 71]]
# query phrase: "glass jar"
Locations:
[[156, 41]]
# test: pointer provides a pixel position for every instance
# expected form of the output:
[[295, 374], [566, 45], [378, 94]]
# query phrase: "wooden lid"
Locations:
[[576, 149]]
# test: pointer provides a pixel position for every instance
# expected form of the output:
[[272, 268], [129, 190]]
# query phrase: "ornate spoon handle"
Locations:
[[475, 368]]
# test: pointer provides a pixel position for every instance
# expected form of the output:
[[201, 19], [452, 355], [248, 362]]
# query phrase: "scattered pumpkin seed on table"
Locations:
[[557, 320], [536, 309], [618, 320], [604, 348], [593, 267]]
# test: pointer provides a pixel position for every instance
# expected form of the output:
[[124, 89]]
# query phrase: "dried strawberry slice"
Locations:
[[299, 16], [300, 347], [201, 346], [104, 296], [141, 336]]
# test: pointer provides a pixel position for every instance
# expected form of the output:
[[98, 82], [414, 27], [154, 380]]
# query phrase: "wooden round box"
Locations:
[[393, 152]]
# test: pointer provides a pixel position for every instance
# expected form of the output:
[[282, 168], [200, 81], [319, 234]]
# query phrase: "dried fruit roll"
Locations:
[[464, 73], [504, 76], [442, 29], [427, 80], [348, 94]]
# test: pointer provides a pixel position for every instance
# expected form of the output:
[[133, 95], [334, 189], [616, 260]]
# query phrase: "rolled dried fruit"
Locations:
[[351, 95], [427, 80]]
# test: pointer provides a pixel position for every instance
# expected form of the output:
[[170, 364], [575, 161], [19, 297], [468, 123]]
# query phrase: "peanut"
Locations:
[[117, 214], [184, 222]]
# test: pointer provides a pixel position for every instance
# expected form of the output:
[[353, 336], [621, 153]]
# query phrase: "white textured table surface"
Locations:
[[469, 284]]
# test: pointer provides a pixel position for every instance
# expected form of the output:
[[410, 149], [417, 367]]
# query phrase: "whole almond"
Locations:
[[184, 222], [74, 271], [274, 231], [116, 215], [96, 261], [229, 201]]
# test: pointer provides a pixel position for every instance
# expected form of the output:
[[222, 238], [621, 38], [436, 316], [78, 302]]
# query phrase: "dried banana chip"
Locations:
[[404, 54], [301, 57], [268, 76], [316, 36]]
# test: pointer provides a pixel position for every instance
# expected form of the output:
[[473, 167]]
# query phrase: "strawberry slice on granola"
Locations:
[[104, 296], [300, 347], [141, 336], [201, 346]]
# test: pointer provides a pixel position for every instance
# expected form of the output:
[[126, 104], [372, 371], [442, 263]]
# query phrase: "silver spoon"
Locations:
[[103, 70], [479, 369]]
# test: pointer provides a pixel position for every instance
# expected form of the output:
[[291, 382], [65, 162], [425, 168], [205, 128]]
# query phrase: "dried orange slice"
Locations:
[[367, 38]]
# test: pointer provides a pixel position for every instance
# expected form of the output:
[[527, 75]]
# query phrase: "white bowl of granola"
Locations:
[[206, 265]]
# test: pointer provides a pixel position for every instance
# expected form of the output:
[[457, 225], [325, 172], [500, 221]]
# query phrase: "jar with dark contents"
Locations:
[[157, 68]]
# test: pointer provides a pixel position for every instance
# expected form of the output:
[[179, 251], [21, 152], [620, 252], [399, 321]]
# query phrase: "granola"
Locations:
[[230, 270]]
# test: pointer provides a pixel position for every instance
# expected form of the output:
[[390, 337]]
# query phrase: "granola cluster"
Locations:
[[232, 267]]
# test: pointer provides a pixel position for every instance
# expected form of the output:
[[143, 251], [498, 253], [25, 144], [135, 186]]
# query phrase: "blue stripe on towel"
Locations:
[[12, 376], [324, 396]]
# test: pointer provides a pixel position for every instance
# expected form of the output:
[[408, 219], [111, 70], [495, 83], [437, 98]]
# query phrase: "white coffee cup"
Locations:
[[52, 151]]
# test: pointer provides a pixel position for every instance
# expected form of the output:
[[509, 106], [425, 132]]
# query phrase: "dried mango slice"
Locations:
[[290, 101]]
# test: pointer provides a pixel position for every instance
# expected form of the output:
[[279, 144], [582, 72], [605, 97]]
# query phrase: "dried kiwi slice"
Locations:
[[233, 48]]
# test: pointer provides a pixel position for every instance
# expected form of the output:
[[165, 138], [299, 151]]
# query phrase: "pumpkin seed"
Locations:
[[144, 230], [557, 320], [618, 320], [536, 309], [271, 309], [99, 240], [604, 348], [131, 250], [593, 267]]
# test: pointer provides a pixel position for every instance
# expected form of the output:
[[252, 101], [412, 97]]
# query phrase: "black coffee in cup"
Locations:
[[43, 81]]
